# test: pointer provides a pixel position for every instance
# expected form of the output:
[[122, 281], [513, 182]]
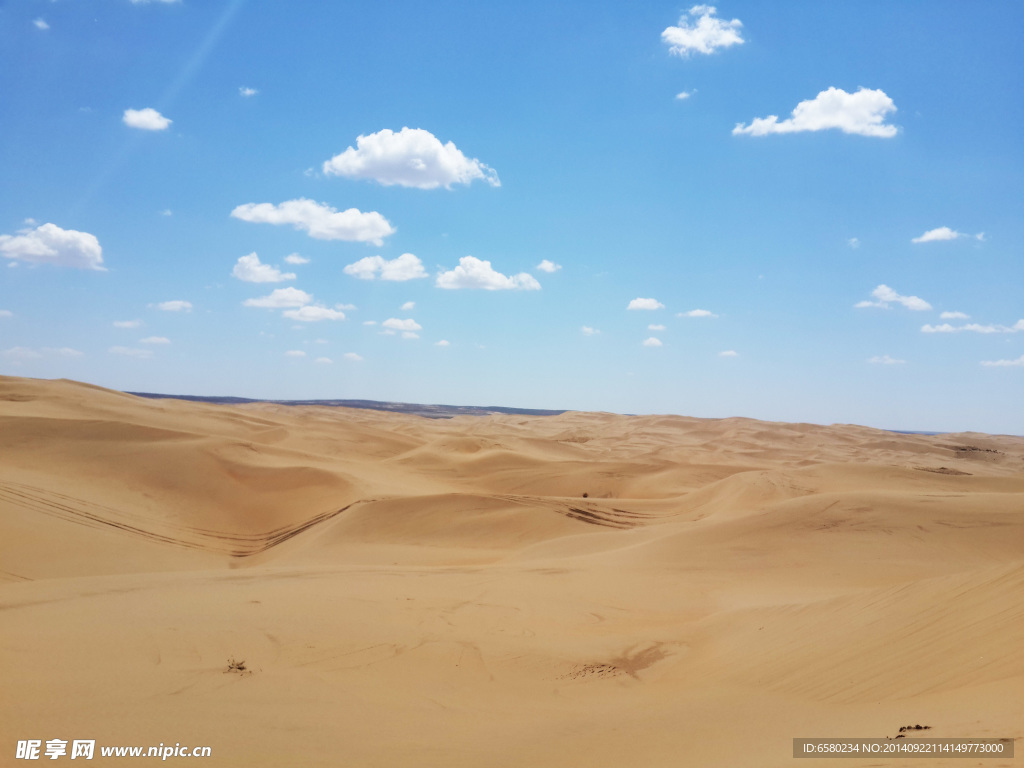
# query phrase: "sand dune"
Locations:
[[579, 589]]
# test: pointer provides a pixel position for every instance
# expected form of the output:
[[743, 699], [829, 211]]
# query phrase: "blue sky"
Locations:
[[150, 148]]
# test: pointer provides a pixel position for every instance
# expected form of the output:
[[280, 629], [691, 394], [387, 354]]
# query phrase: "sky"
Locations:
[[790, 211]]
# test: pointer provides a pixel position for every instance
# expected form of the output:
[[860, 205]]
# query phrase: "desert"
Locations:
[[334, 586]]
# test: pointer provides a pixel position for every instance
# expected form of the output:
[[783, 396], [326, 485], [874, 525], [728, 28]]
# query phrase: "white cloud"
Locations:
[[885, 360], [1018, 363], [409, 306], [319, 220], [21, 353], [323, 360], [639, 303], [49, 244], [405, 267], [402, 325], [652, 342], [862, 113], [294, 258], [586, 330], [313, 314], [729, 353], [176, 305], [155, 340], [885, 295], [443, 343], [6, 313], [410, 335], [247, 92], [655, 327], [353, 357], [548, 266], [853, 242], [944, 233], [295, 353], [127, 323], [369, 322], [684, 95], [476, 273], [26, 353], [954, 316], [697, 313], [281, 298], [705, 35], [41, 24], [974, 328], [249, 269], [147, 119], [130, 352], [346, 307], [412, 157]]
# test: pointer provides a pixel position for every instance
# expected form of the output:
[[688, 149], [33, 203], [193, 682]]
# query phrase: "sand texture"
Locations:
[[585, 589]]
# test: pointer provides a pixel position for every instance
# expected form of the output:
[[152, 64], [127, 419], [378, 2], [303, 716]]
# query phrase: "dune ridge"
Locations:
[[507, 589]]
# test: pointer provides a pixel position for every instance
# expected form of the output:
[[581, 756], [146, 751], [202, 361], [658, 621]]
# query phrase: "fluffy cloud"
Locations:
[[155, 340], [352, 356], [684, 95], [127, 323], [954, 316], [295, 353], [409, 306], [548, 266], [974, 328], [41, 24], [412, 157], [476, 273], [443, 343], [147, 119], [247, 92], [176, 305], [885, 295], [697, 313], [281, 298], [885, 360], [250, 270], [21, 353], [639, 303], [323, 360], [49, 244], [1018, 363], [130, 352], [652, 342], [26, 353], [313, 314], [294, 258], [405, 267], [944, 233], [704, 35], [409, 325], [862, 113], [586, 330], [319, 220]]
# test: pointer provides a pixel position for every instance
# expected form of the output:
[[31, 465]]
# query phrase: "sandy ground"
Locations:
[[584, 589]]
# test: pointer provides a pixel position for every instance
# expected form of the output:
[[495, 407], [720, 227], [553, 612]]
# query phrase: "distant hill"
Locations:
[[416, 409]]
